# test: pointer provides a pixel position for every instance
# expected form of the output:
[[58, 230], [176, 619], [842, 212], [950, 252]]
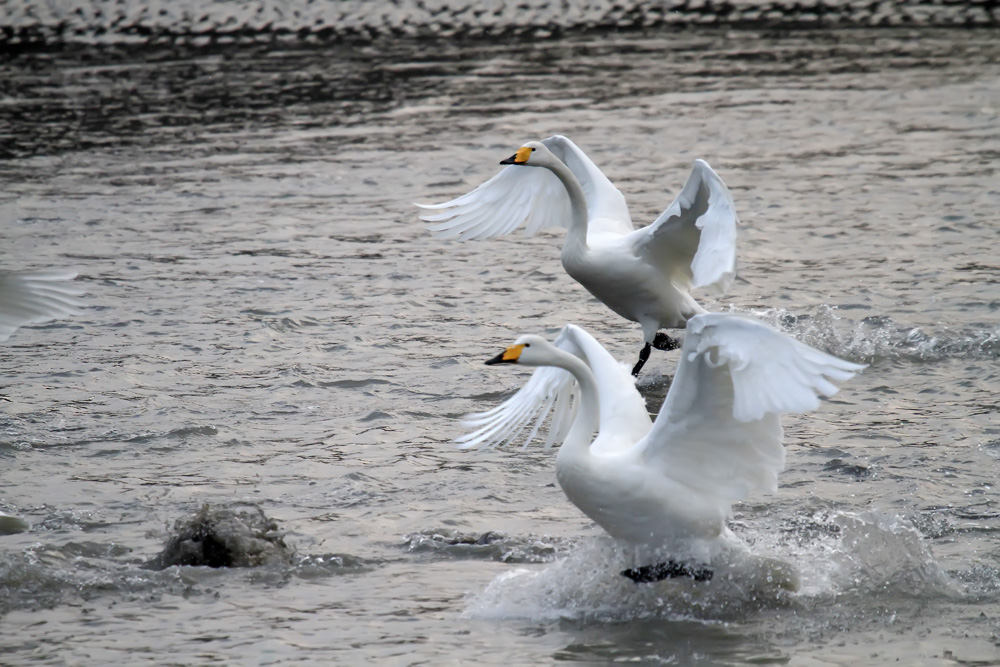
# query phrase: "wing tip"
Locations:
[[810, 373], [434, 207]]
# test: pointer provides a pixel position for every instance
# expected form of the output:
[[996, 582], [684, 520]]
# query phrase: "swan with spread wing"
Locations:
[[717, 439], [644, 275]]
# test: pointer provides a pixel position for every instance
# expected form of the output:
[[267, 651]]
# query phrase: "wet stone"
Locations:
[[11, 525], [223, 537], [844, 468]]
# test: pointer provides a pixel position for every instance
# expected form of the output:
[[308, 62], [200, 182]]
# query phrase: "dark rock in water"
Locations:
[[839, 465], [11, 525], [488, 537], [670, 570], [489, 545], [224, 537], [436, 540]]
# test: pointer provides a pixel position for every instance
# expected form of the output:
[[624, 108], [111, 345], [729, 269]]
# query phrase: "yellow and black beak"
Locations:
[[520, 157], [508, 356]]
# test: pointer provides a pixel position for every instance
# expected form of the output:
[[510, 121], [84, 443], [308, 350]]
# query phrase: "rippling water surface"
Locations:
[[269, 326]]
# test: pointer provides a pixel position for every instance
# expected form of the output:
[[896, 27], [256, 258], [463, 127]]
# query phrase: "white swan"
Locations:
[[669, 483], [34, 297], [643, 275]]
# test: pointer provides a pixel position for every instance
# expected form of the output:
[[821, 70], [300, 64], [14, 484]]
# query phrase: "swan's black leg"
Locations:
[[670, 570], [664, 342], [643, 356]]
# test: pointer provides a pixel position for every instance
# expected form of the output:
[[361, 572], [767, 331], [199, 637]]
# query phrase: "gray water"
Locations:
[[61, 22], [269, 327]]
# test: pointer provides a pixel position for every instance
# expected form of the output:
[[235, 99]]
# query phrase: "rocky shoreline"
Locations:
[[127, 21]]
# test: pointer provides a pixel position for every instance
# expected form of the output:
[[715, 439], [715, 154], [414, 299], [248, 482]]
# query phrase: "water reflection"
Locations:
[[101, 97], [659, 642]]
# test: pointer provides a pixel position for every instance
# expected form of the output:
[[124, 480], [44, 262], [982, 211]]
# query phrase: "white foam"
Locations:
[[825, 555]]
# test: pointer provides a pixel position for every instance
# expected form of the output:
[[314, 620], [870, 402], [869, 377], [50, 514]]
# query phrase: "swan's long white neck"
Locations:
[[577, 443], [578, 205]]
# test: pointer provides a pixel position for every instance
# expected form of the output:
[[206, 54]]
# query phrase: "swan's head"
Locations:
[[528, 350], [532, 154]]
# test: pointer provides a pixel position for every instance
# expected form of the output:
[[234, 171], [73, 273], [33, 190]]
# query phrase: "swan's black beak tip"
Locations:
[[508, 356], [511, 160], [497, 359]]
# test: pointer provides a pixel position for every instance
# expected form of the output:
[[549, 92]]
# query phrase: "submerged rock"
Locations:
[[11, 525], [488, 537], [489, 545], [839, 465], [224, 537]]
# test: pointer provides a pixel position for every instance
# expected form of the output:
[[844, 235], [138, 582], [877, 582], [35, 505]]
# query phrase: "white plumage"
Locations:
[[716, 440], [644, 275], [34, 297]]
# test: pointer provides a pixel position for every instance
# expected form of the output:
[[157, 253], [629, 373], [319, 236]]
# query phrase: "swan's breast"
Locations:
[[627, 285], [636, 504]]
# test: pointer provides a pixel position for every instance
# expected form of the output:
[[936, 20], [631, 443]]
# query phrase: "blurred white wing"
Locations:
[[35, 297], [517, 196], [550, 390], [719, 430], [528, 197], [696, 234], [554, 392]]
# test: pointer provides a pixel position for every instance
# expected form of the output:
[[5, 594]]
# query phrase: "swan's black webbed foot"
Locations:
[[648, 574], [664, 342], [643, 356]]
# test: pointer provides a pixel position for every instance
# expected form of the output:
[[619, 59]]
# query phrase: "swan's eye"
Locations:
[[528, 344]]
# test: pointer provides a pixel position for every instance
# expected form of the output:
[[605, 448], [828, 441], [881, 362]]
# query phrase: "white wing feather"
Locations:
[[35, 297], [528, 197], [696, 234], [719, 430], [550, 390], [515, 197], [554, 392]]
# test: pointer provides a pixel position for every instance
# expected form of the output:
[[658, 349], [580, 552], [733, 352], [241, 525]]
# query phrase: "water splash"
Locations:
[[883, 554], [879, 337], [835, 554]]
